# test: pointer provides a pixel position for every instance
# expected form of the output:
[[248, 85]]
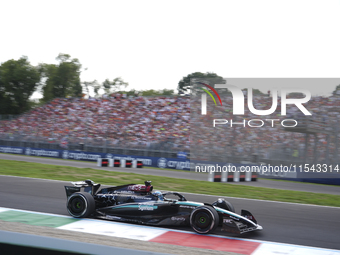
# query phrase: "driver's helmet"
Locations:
[[158, 194]]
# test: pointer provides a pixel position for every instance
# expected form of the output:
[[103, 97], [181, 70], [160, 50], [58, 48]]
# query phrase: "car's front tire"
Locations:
[[204, 219], [80, 205]]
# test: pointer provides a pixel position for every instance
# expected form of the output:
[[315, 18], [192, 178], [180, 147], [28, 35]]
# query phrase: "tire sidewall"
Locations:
[[213, 219], [88, 204]]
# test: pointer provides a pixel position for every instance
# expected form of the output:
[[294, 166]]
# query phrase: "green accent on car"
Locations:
[[133, 206], [189, 203], [220, 210]]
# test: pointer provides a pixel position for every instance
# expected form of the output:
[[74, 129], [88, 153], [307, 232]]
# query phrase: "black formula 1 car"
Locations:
[[137, 203]]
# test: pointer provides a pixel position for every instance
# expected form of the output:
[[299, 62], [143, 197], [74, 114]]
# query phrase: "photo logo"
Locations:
[[204, 97], [238, 100], [276, 103]]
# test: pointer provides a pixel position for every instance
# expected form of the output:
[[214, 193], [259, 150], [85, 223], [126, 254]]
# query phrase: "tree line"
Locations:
[[19, 79]]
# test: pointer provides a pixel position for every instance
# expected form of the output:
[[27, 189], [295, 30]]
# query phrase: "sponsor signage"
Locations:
[[264, 171], [173, 163]]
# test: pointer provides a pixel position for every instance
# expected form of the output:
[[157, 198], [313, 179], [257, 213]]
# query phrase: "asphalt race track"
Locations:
[[282, 222]]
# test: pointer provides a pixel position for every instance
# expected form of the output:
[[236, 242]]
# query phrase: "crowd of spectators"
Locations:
[[176, 123], [138, 122]]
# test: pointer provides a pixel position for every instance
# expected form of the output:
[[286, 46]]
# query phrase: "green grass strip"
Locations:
[[65, 173], [35, 219]]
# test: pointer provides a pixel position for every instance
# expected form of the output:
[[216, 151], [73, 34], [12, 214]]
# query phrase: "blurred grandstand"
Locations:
[[160, 127], [132, 126]]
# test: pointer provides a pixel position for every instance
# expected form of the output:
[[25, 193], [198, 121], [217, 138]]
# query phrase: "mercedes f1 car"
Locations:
[[137, 203]]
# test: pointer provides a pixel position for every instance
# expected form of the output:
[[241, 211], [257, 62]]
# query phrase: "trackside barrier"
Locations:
[[128, 163], [139, 163], [122, 163], [116, 163], [237, 176], [105, 162]]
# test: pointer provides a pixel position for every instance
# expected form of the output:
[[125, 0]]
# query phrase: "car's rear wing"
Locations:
[[88, 186]]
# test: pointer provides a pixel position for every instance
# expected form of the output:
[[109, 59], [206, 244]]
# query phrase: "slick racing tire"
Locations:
[[224, 204], [80, 205], [204, 219]]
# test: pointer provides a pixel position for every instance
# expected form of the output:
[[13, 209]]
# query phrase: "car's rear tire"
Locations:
[[204, 219], [80, 205]]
